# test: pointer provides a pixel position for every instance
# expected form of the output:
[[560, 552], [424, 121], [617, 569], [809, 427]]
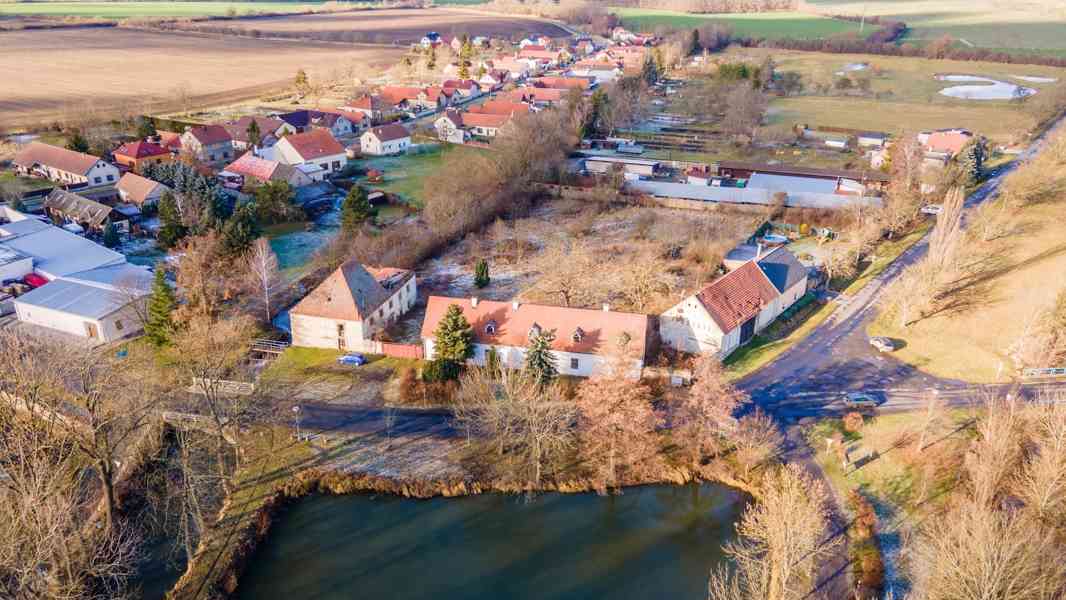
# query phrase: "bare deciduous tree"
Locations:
[[705, 414], [782, 541], [262, 265]]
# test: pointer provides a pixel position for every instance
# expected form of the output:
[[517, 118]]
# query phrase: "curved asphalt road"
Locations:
[[810, 378]]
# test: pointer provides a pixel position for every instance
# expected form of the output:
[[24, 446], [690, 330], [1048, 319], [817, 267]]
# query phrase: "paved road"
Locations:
[[809, 378]]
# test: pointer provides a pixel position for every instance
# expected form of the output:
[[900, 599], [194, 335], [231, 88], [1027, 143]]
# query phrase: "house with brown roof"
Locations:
[[385, 140], [374, 108], [338, 123], [449, 127], [314, 148], [353, 305], [65, 208], [270, 130], [586, 340], [501, 107], [729, 312], [463, 88], [485, 125], [63, 166], [537, 96], [564, 83], [140, 191], [134, 155], [211, 144]]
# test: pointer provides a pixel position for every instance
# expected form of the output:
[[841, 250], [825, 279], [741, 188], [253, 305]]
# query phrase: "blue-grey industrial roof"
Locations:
[[782, 268], [91, 294]]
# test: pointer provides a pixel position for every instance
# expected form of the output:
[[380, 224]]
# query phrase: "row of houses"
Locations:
[[350, 309]]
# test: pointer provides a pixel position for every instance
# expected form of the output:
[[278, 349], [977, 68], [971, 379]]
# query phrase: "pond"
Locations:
[[650, 542]]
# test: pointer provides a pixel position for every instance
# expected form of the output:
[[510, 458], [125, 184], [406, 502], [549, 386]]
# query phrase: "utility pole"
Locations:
[[296, 411], [862, 21]]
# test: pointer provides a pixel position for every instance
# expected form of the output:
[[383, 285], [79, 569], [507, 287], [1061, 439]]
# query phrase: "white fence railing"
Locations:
[[1050, 372]]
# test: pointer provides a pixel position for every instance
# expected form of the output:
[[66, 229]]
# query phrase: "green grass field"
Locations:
[[774, 25], [405, 175], [1035, 24], [909, 97], [122, 10]]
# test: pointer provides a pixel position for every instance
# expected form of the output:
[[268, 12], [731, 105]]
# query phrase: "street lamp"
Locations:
[[296, 411]]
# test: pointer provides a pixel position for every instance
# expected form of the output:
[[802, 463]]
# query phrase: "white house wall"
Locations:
[[102, 174], [320, 332], [107, 327], [513, 357]]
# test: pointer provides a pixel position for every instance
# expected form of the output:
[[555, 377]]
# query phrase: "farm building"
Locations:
[[743, 170], [210, 144], [352, 305], [385, 140], [54, 252], [871, 139], [316, 149], [727, 313], [134, 155], [66, 207], [140, 191], [585, 340], [63, 166], [101, 305], [608, 164]]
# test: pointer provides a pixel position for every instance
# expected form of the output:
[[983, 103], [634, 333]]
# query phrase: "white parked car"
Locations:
[[860, 400], [883, 344], [932, 209]]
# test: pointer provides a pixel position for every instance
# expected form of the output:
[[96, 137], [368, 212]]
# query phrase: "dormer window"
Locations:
[[490, 328], [579, 334]]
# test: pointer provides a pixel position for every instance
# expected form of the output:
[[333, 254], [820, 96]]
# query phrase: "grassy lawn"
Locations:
[[986, 23], [121, 10], [317, 364], [404, 175], [975, 343], [772, 25], [907, 93], [887, 252], [24, 183]]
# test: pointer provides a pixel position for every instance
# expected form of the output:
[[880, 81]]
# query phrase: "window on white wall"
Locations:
[[574, 364]]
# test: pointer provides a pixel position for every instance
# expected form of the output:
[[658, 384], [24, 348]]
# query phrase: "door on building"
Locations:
[[342, 343], [747, 330], [91, 331]]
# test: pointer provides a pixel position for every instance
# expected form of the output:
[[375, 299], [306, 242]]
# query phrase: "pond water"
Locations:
[[983, 88], [295, 247], [650, 542]]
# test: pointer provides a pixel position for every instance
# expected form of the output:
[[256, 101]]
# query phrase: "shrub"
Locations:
[[853, 422]]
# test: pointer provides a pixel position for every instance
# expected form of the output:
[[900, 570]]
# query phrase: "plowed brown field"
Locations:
[[47, 74]]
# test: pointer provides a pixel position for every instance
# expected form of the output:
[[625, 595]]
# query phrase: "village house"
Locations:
[[251, 169], [338, 124], [494, 79], [564, 83], [385, 140], [315, 148], [68, 208], [485, 125], [552, 58], [501, 107], [134, 155], [586, 341], [270, 130], [539, 97], [372, 107], [64, 166], [449, 127], [169, 140], [729, 312], [210, 144], [946, 143], [140, 191], [402, 98], [351, 306], [462, 88]]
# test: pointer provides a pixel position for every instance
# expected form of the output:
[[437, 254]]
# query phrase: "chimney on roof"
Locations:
[[606, 307], [473, 302], [514, 305]]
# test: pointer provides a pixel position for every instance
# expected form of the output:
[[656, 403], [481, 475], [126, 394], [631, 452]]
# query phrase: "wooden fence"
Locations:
[[402, 350]]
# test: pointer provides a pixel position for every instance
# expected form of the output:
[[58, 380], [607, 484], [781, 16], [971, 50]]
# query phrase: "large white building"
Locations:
[[352, 305], [316, 153], [64, 166], [91, 291], [586, 341], [727, 313]]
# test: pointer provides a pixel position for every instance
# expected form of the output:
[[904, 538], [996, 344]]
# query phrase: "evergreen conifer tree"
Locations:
[[171, 229], [355, 209], [161, 304], [481, 273], [454, 339], [540, 362]]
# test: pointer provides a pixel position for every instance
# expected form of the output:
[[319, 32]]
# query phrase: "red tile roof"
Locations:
[[491, 121], [500, 107], [209, 135], [170, 140], [396, 94], [55, 157], [460, 84], [313, 144], [947, 141], [392, 131], [565, 83], [600, 331], [140, 149], [253, 166], [538, 94], [737, 296]]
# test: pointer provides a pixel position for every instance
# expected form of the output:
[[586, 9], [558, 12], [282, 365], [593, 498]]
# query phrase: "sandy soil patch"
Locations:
[[58, 71]]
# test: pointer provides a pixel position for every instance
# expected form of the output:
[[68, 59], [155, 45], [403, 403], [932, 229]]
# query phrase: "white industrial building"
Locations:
[[91, 291]]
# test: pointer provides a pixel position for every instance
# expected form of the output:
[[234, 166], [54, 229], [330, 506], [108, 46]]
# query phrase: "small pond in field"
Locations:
[[983, 88], [650, 542]]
